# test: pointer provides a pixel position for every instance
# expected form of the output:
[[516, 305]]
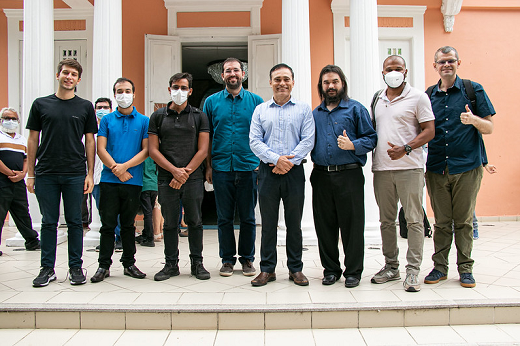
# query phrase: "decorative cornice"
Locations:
[[449, 9], [212, 5]]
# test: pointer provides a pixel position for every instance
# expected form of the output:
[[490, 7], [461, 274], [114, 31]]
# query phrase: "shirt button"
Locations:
[[446, 106], [446, 131], [446, 144], [446, 119], [446, 156]]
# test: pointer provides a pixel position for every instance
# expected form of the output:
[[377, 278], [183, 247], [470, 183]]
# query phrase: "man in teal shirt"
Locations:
[[231, 167]]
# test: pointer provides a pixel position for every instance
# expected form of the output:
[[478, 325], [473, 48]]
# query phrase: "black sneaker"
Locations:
[[169, 270], [46, 275], [148, 243], [76, 276], [139, 239], [198, 270], [33, 247], [98, 248]]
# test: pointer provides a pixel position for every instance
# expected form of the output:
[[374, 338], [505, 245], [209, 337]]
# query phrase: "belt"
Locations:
[[337, 168]]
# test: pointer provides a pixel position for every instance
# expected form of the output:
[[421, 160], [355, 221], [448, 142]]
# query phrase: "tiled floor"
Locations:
[[498, 334], [497, 271]]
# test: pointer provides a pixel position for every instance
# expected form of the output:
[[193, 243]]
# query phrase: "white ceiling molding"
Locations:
[[449, 9], [79, 4], [176, 6]]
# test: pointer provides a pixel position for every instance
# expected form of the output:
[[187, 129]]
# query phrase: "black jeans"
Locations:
[[191, 194], [290, 188], [13, 199], [122, 200], [338, 203], [147, 203]]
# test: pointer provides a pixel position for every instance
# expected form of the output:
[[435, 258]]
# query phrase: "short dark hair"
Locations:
[[103, 99], [231, 59], [445, 50], [71, 63], [391, 57], [280, 66], [332, 69], [179, 76], [121, 80]]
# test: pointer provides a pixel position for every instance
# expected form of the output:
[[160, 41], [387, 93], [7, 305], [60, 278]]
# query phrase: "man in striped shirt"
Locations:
[[281, 135], [13, 168]]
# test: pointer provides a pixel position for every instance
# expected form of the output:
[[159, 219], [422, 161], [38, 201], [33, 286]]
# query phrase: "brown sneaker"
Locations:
[[248, 269], [226, 269], [298, 278]]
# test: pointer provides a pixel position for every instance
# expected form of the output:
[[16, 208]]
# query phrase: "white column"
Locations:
[[107, 50], [296, 52], [365, 72], [38, 75], [107, 66]]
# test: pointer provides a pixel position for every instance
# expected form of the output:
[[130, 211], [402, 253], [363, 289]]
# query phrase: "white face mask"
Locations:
[[394, 79], [124, 100], [100, 113], [10, 126], [179, 96]]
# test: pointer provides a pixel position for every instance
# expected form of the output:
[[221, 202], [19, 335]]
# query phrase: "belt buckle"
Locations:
[[332, 170]]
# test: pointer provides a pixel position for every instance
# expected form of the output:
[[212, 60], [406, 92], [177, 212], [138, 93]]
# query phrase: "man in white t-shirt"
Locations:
[[404, 122]]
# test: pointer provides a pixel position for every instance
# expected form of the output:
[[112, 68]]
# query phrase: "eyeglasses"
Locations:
[[443, 62], [183, 88]]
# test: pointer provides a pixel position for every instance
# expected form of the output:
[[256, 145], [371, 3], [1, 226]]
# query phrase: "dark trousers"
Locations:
[[86, 209], [95, 194], [147, 203], [191, 194], [49, 189], [338, 203], [13, 199], [290, 188], [122, 200], [236, 191]]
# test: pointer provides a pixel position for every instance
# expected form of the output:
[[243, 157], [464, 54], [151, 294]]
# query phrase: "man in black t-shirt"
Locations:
[[178, 143], [62, 119]]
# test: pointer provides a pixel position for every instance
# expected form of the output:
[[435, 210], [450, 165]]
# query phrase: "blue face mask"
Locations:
[[100, 113]]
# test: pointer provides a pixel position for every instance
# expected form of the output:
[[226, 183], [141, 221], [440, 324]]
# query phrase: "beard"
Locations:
[[340, 95], [233, 85]]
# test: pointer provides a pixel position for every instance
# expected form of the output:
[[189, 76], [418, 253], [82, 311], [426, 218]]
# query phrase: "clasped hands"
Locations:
[[283, 165], [180, 176]]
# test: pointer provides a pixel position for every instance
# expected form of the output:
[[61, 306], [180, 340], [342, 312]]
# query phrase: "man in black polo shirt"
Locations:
[[178, 143], [454, 166]]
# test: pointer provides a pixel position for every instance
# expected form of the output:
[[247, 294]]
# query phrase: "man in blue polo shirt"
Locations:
[[122, 146], [231, 167], [454, 166]]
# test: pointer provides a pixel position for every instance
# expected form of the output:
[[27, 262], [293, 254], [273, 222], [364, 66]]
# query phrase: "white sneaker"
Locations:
[[411, 283]]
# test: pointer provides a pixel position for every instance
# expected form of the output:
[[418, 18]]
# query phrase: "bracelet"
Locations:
[[30, 177]]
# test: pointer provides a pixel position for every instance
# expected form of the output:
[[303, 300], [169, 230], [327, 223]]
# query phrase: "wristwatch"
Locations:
[[408, 149]]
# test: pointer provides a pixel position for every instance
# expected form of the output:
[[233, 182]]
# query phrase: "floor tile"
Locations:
[[191, 338], [289, 337], [88, 337], [427, 335], [328, 337], [10, 337], [47, 337], [143, 337], [239, 337], [386, 336], [483, 334]]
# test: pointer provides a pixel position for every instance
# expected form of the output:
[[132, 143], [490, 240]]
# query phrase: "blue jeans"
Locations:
[[117, 230], [236, 191], [49, 188]]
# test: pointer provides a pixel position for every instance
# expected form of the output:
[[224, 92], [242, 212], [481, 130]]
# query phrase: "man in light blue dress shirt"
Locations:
[[281, 135]]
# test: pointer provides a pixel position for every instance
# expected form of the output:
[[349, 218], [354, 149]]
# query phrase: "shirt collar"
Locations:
[[171, 111], [16, 135], [228, 94], [405, 92], [119, 114], [271, 102], [457, 84], [342, 104]]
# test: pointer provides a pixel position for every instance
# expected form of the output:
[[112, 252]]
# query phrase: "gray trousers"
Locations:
[[406, 186], [453, 198]]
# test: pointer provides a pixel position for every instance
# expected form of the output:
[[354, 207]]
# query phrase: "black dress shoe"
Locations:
[[351, 281], [134, 272], [329, 279], [100, 275]]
